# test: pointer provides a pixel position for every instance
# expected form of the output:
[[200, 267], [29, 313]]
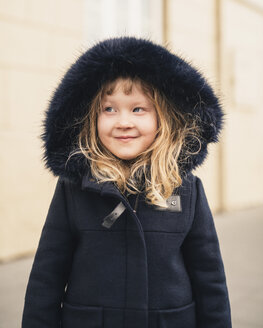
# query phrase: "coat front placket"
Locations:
[[136, 309]]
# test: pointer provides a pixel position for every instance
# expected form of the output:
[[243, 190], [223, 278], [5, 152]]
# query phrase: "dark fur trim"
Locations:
[[182, 84]]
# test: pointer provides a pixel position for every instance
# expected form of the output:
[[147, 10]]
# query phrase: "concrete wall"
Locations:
[[40, 39]]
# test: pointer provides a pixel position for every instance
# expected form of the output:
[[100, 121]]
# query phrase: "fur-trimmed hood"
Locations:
[[181, 83]]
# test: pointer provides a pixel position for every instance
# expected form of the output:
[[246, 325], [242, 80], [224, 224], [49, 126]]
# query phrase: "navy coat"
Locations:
[[144, 267]]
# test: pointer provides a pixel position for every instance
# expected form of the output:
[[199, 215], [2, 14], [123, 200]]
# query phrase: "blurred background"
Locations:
[[40, 39]]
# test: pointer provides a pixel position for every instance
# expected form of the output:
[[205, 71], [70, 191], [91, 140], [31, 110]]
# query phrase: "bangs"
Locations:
[[127, 84]]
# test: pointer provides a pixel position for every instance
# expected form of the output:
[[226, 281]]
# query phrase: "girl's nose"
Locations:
[[124, 124], [124, 121]]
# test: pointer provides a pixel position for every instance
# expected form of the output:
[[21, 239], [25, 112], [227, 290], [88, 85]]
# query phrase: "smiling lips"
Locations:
[[125, 138]]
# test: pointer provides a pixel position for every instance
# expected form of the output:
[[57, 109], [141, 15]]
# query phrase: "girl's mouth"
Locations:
[[126, 139]]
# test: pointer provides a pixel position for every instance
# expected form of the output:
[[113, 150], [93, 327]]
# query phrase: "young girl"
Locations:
[[129, 240]]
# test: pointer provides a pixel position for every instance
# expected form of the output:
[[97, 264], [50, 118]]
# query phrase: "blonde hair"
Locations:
[[157, 165]]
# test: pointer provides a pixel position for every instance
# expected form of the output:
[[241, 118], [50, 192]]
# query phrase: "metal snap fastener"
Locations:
[[173, 202]]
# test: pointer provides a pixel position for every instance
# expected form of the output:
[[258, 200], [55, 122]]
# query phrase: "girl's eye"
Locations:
[[110, 109], [138, 108], [106, 109]]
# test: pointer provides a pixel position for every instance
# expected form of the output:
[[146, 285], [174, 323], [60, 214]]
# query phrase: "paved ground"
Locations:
[[240, 236]]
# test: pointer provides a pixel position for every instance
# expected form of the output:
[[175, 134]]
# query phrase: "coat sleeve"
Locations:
[[205, 266], [51, 266]]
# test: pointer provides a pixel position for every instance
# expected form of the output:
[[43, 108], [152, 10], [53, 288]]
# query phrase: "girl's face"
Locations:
[[130, 115]]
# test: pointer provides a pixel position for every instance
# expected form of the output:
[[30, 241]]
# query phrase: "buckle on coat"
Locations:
[[113, 216], [173, 203]]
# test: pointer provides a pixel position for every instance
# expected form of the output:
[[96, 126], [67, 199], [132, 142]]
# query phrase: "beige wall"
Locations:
[[242, 81], [191, 33], [41, 38], [224, 39]]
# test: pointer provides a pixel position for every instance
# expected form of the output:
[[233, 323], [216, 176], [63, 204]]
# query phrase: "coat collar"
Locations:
[[104, 188], [88, 182]]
